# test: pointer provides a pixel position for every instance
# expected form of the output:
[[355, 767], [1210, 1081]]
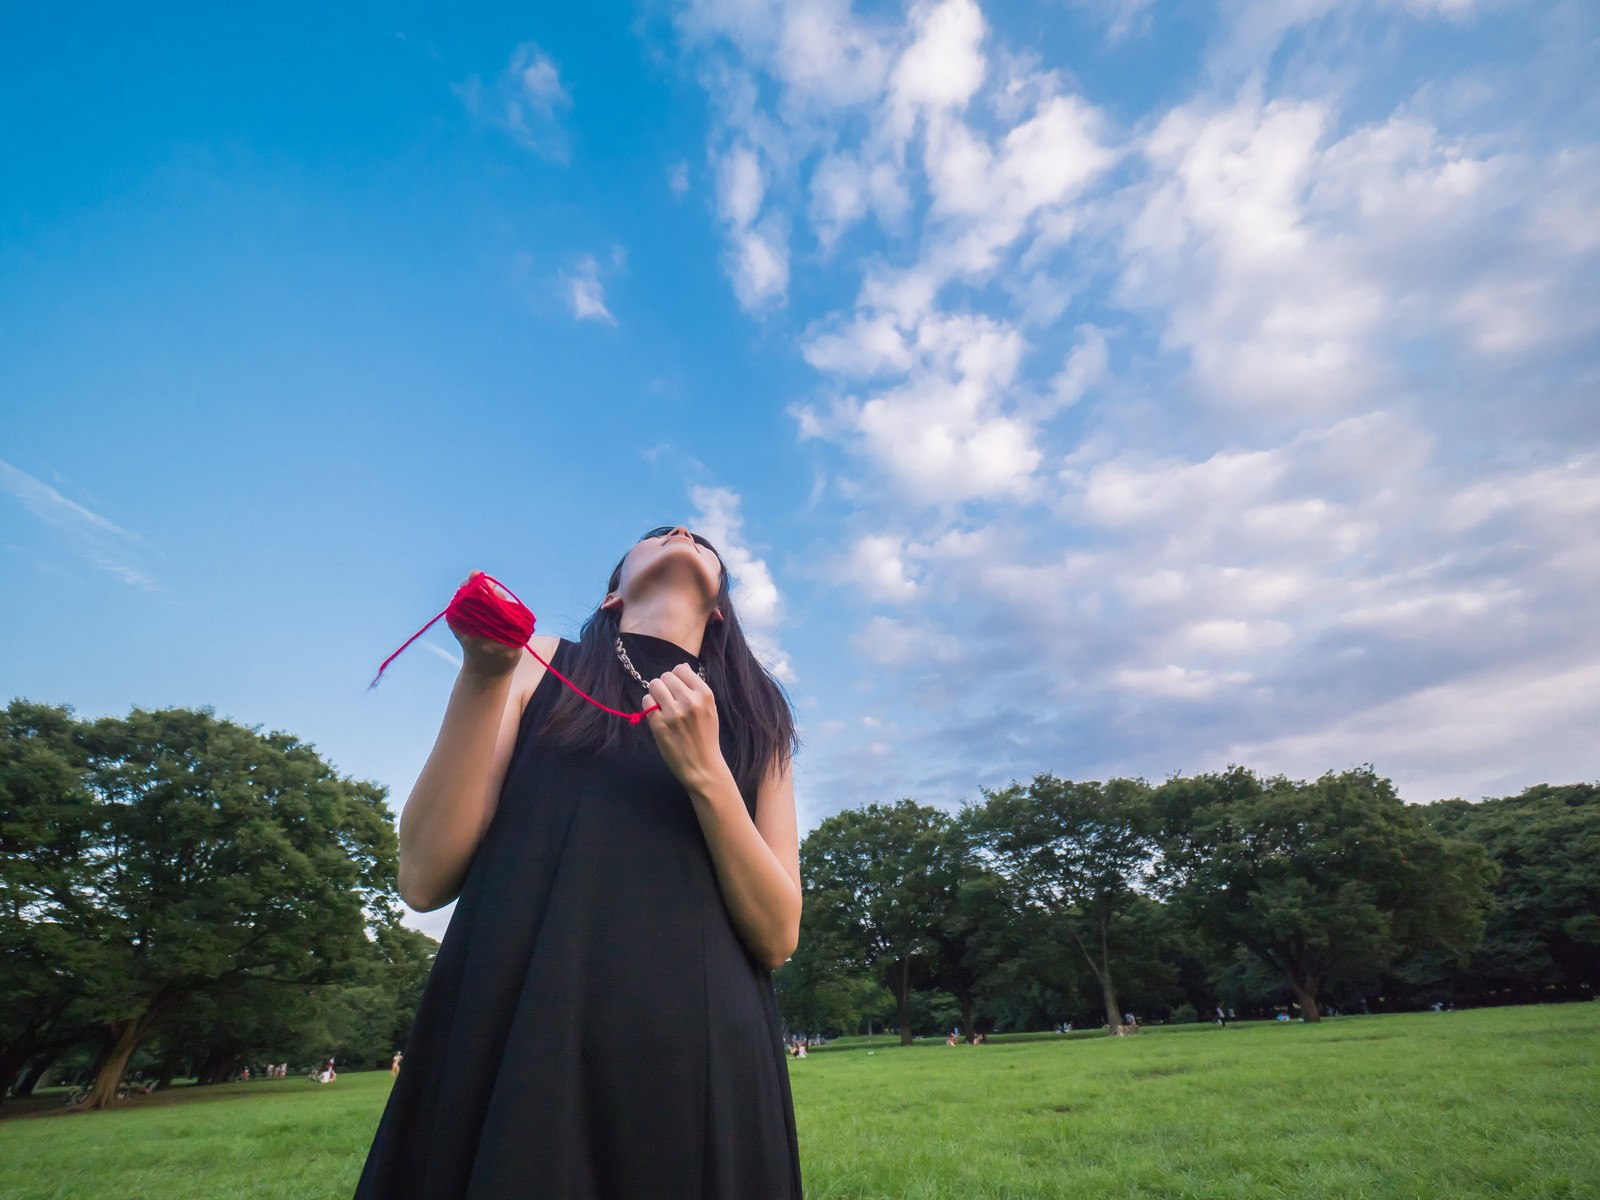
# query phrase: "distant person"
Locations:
[[1222, 1017], [569, 1030], [394, 1064], [951, 1040]]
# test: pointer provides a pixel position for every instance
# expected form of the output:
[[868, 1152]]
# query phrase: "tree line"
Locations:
[[190, 894], [1065, 901], [187, 895]]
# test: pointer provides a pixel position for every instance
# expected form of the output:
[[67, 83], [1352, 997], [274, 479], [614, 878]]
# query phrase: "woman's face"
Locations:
[[672, 553]]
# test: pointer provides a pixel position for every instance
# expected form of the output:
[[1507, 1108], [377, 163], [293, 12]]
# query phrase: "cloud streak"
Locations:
[[87, 534]]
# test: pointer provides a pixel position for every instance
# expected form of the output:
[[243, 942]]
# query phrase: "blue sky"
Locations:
[[1089, 387]]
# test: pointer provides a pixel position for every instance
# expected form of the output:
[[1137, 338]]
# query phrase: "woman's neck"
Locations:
[[668, 617]]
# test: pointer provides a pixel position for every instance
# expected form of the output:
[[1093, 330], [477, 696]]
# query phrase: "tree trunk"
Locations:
[[900, 984], [1102, 972], [128, 1035], [25, 1048], [1305, 995], [1109, 992], [108, 1039], [11, 1064], [38, 1067], [967, 1025], [209, 1069]]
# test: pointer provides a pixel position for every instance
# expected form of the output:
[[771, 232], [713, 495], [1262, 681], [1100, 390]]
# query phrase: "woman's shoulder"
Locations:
[[531, 670]]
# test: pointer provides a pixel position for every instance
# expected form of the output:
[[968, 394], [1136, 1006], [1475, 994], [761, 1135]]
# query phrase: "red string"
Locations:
[[485, 607]]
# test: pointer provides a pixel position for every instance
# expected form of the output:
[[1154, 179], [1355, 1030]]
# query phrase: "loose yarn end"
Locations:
[[485, 607]]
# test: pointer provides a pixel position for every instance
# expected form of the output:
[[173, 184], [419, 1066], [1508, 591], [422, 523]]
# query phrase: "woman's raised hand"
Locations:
[[685, 726], [484, 656]]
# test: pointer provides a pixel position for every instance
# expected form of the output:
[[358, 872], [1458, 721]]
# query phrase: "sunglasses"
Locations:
[[663, 530]]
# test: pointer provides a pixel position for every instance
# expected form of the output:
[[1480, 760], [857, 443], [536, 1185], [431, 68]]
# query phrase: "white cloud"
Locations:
[[877, 564], [861, 349], [943, 434], [824, 52], [845, 187], [944, 66], [755, 595], [1491, 733], [1122, 18], [1085, 367], [757, 259], [739, 186], [678, 178], [586, 293], [897, 642], [526, 101]]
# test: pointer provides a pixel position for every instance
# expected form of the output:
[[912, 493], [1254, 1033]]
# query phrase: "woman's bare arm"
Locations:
[[757, 862], [450, 805]]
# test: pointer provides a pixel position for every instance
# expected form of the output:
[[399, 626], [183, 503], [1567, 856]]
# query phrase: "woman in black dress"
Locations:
[[600, 1020]]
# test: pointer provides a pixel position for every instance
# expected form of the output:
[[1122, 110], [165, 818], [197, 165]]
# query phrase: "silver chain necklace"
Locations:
[[627, 663]]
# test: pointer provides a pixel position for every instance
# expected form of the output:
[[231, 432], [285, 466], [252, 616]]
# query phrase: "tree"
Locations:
[[1334, 878], [874, 876], [223, 856], [49, 831], [1542, 933], [1078, 853], [972, 929], [823, 985]]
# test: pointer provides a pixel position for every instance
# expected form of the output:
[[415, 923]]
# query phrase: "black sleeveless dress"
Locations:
[[593, 1026]]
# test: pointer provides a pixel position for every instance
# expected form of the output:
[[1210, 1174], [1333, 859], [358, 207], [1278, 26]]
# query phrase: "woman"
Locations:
[[600, 1019]]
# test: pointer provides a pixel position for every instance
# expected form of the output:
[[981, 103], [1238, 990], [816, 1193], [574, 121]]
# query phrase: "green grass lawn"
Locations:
[[1453, 1105]]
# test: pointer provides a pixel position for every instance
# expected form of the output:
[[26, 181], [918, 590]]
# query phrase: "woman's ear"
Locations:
[[716, 614], [612, 600]]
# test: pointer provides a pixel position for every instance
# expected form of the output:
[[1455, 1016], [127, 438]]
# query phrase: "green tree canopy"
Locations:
[[1078, 852], [50, 832], [878, 877], [170, 854], [1542, 933], [1317, 880]]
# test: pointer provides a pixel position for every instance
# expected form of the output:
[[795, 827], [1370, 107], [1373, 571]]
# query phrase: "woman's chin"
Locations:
[[673, 569]]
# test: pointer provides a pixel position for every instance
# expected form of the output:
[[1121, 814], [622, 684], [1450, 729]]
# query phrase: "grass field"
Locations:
[[1501, 1103]]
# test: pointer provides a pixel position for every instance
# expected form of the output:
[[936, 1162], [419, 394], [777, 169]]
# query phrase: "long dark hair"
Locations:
[[751, 705]]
